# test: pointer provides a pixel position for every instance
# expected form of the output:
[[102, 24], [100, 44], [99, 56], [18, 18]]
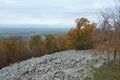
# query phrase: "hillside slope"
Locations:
[[67, 65]]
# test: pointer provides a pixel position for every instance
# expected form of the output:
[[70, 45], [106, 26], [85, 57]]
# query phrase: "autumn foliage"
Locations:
[[84, 36], [81, 36], [15, 49]]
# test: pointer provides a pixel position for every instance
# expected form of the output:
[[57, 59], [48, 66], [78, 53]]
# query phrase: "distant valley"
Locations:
[[30, 30]]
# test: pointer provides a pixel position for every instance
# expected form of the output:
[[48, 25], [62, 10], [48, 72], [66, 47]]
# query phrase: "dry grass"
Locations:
[[108, 72]]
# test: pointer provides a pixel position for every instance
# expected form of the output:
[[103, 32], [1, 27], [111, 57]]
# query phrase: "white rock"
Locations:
[[65, 64]]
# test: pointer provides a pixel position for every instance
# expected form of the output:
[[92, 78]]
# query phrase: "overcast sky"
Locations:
[[49, 12]]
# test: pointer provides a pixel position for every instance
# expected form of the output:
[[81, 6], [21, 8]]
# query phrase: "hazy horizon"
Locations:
[[29, 30], [35, 26]]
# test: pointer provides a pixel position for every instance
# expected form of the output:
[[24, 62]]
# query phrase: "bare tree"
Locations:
[[110, 29]]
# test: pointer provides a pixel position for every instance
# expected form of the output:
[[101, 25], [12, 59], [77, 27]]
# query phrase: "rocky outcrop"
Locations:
[[65, 65]]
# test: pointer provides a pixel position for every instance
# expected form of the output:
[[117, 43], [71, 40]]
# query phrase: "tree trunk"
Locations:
[[108, 56], [7, 61], [115, 54]]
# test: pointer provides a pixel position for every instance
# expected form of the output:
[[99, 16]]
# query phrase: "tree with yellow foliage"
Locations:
[[51, 43], [34, 44], [81, 36]]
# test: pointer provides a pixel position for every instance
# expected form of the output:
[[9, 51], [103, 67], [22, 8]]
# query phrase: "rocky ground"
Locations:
[[65, 65]]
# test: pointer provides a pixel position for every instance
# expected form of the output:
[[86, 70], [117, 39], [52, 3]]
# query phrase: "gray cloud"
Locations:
[[62, 10]]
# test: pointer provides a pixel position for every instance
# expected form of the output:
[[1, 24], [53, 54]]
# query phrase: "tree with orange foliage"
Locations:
[[107, 37], [5, 50], [80, 37], [61, 42], [104, 41], [43, 49], [12, 48]]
